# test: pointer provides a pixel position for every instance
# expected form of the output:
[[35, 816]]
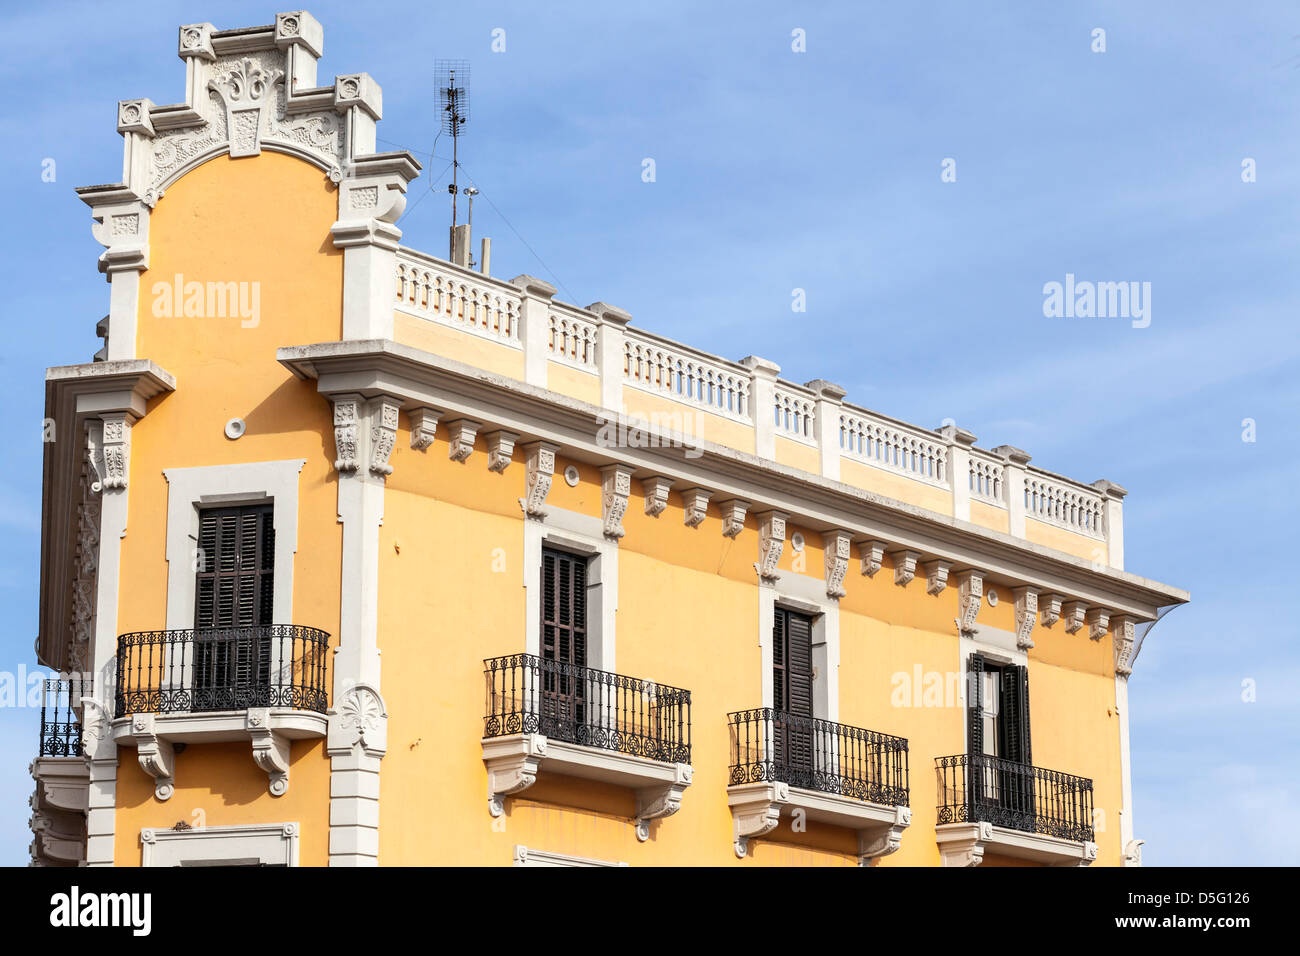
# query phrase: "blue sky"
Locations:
[[820, 170]]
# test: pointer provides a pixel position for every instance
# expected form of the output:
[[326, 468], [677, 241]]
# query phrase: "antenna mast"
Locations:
[[453, 93]]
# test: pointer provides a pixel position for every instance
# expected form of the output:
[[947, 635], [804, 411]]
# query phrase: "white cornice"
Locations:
[[816, 503]]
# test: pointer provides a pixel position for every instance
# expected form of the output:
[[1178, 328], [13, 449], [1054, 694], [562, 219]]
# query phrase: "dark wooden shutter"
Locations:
[[1014, 722], [234, 601], [564, 641], [792, 663], [975, 705]]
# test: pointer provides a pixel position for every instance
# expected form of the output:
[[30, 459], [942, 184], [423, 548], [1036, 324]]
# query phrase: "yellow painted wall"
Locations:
[[882, 482], [452, 594], [265, 220], [796, 454], [696, 421], [988, 516], [567, 380], [457, 344], [1079, 545]]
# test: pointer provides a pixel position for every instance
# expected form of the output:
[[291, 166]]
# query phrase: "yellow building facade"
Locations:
[[356, 555]]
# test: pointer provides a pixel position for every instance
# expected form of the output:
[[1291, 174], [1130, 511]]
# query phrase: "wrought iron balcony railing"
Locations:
[[222, 668], [581, 705], [60, 721], [772, 746], [975, 788]]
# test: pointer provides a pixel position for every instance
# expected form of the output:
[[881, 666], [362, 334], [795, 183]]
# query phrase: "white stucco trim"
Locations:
[[265, 844], [579, 534], [189, 489], [529, 857], [1132, 848], [806, 595]]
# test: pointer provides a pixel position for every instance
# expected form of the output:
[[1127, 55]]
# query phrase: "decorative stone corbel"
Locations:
[[696, 501], [114, 452], [1098, 623], [270, 750], [970, 592], [512, 764], [1133, 852], [424, 426], [615, 486], [836, 547], [501, 447], [383, 434], [347, 416], [1123, 632], [968, 850], [539, 462], [656, 495], [873, 556], [1074, 613], [1026, 615], [733, 516], [936, 576], [156, 756], [771, 542], [904, 563], [461, 442], [1049, 609], [654, 803], [873, 844], [756, 813]]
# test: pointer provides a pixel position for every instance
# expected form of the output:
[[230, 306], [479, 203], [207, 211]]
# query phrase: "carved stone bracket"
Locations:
[[970, 592], [836, 547], [1123, 632], [966, 846], [108, 450], [756, 814], [653, 803], [383, 434], [501, 447], [157, 757], [656, 495], [1074, 613], [1133, 852], [1098, 623], [539, 462], [460, 445], [615, 486], [270, 750], [873, 844], [873, 556], [904, 563], [733, 516], [347, 417], [1049, 609], [936, 576], [424, 426], [696, 501], [512, 764], [771, 542], [1026, 615]]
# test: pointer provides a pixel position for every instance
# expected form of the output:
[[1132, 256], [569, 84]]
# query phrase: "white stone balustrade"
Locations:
[[523, 314]]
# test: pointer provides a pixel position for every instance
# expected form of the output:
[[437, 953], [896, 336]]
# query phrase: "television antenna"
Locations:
[[453, 94]]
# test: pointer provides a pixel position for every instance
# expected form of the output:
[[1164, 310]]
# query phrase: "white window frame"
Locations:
[[804, 595], [257, 844], [581, 535], [191, 489], [529, 857]]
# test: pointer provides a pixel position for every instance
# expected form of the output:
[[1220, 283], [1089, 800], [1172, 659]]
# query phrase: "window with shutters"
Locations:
[[998, 725], [234, 594], [564, 637], [792, 691]]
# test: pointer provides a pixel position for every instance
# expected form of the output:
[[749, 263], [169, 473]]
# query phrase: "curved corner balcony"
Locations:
[[1012, 809], [832, 773], [555, 717], [266, 684]]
